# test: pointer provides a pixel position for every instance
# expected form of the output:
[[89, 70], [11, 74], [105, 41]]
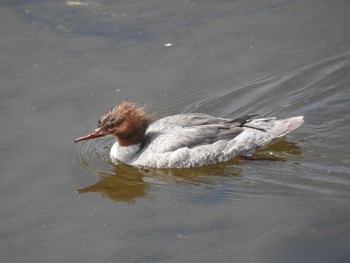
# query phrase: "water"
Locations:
[[65, 63]]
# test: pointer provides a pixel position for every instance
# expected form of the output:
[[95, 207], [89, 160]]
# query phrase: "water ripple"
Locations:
[[318, 90]]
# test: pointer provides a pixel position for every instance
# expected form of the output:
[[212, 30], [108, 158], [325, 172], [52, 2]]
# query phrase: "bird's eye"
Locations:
[[109, 126], [99, 123]]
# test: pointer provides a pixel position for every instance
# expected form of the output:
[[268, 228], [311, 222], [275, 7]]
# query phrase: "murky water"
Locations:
[[64, 63]]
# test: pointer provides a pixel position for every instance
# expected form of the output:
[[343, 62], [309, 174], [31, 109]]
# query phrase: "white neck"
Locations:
[[124, 154]]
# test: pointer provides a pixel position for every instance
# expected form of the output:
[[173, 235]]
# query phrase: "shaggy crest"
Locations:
[[121, 112], [127, 121]]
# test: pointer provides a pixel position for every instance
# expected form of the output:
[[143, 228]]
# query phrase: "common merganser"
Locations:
[[185, 140]]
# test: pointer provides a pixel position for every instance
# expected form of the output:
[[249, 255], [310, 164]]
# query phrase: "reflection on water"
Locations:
[[124, 183]]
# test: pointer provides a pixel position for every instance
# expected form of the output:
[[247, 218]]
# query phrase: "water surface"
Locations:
[[64, 63]]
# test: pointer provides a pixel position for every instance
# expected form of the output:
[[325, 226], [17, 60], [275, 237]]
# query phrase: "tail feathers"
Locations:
[[276, 128], [293, 124]]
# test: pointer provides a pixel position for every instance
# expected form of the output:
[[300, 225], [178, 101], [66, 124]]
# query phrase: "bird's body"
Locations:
[[185, 140]]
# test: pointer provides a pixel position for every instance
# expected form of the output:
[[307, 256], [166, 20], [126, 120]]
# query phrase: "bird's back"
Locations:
[[195, 139]]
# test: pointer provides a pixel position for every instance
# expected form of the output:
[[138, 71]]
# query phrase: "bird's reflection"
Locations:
[[126, 184]]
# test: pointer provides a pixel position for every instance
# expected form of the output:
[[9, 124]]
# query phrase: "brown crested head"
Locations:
[[127, 121]]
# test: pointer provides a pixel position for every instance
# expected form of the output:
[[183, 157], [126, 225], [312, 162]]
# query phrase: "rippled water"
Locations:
[[309, 90], [64, 63]]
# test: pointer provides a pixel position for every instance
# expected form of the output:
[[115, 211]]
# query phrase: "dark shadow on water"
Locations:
[[126, 184]]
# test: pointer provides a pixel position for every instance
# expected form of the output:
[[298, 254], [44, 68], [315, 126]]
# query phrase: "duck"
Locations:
[[185, 140]]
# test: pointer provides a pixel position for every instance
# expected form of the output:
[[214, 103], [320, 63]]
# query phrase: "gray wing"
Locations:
[[191, 136], [194, 120], [184, 120]]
